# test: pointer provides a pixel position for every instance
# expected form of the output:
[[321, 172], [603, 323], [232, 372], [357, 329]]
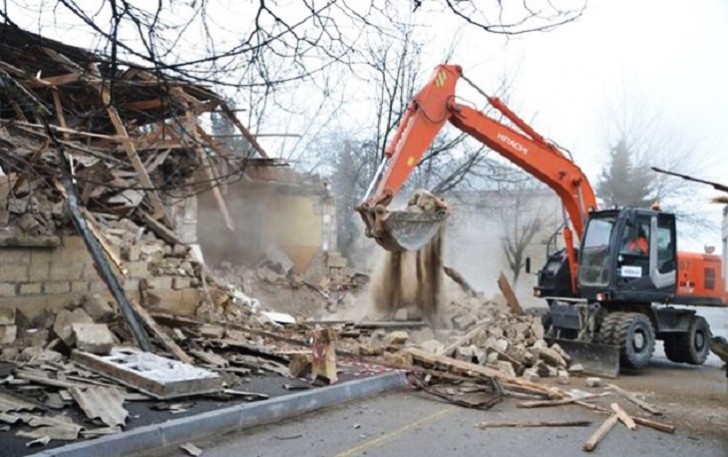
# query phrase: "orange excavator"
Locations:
[[612, 288]]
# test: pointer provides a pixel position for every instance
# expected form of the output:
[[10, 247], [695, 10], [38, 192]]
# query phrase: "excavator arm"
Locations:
[[429, 111]]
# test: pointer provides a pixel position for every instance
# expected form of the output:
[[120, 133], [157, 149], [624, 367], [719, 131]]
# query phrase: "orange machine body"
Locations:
[[700, 276]]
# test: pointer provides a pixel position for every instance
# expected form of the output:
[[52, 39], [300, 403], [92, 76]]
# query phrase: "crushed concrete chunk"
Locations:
[[8, 333], [507, 368], [93, 338], [64, 320], [396, 338], [531, 375], [97, 308], [432, 346], [551, 357], [7, 316], [594, 382], [562, 377]]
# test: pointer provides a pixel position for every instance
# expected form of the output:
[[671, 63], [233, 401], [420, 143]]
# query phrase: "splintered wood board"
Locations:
[[157, 376]]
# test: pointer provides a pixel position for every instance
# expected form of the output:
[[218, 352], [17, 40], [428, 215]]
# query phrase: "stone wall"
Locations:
[[34, 278]]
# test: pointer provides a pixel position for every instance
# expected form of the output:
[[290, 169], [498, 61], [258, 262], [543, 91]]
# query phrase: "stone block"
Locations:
[[13, 273], [594, 382], [8, 289], [396, 338], [65, 319], [7, 316], [506, 367], [562, 377], [16, 256], [52, 288], [8, 333], [432, 346], [138, 269], [61, 271], [79, 286], [31, 288], [181, 283], [93, 338], [39, 256], [551, 357], [159, 282], [98, 308], [39, 271]]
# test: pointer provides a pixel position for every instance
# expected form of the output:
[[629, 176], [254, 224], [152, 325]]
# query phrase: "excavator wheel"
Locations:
[[692, 346], [605, 335], [634, 335]]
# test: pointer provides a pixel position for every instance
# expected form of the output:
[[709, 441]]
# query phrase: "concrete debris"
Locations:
[[151, 374], [486, 332], [65, 319], [97, 308], [593, 382], [396, 338], [93, 338], [8, 333], [191, 449], [7, 316]]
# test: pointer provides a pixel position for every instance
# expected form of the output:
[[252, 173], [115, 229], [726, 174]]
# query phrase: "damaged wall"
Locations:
[[297, 217]]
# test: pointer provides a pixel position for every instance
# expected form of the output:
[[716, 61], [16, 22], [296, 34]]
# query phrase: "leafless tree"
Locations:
[[522, 218], [654, 141]]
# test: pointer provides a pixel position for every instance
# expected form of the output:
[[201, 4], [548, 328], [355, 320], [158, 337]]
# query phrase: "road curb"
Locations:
[[177, 431]]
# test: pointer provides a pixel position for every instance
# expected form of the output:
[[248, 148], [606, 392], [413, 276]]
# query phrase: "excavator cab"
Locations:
[[628, 255]]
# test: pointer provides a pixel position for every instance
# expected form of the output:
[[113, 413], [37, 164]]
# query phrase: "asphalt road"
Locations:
[[411, 424]]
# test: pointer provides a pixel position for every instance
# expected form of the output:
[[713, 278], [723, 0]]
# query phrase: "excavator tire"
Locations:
[[692, 346], [634, 335], [605, 335]]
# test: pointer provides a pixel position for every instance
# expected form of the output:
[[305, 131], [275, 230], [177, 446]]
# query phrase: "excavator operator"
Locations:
[[638, 244]]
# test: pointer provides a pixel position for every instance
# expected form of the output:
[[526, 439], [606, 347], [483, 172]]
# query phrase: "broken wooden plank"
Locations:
[[152, 325], [510, 296], [136, 161], [659, 426], [31, 162], [478, 370], [533, 424], [565, 401], [623, 416], [209, 170], [101, 238], [591, 443], [160, 229], [59, 113], [157, 376], [636, 400], [459, 280], [246, 134], [209, 358]]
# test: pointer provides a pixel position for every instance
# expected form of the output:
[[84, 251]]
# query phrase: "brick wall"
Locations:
[[33, 279]]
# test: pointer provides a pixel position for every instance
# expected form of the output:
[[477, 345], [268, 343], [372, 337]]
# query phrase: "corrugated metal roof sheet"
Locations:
[[104, 403], [12, 403]]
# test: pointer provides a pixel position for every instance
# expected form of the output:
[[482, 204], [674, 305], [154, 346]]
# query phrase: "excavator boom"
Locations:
[[433, 107]]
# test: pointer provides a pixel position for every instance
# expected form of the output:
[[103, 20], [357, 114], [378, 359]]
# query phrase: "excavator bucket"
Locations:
[[409, 231], [597, 359]]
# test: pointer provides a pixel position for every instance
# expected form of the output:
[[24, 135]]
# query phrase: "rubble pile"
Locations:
[[486, 332]]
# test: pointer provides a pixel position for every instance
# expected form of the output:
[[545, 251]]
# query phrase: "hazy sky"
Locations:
[[663, 58]]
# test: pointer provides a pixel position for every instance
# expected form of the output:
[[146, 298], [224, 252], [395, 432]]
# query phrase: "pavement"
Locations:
[[412, 424]]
